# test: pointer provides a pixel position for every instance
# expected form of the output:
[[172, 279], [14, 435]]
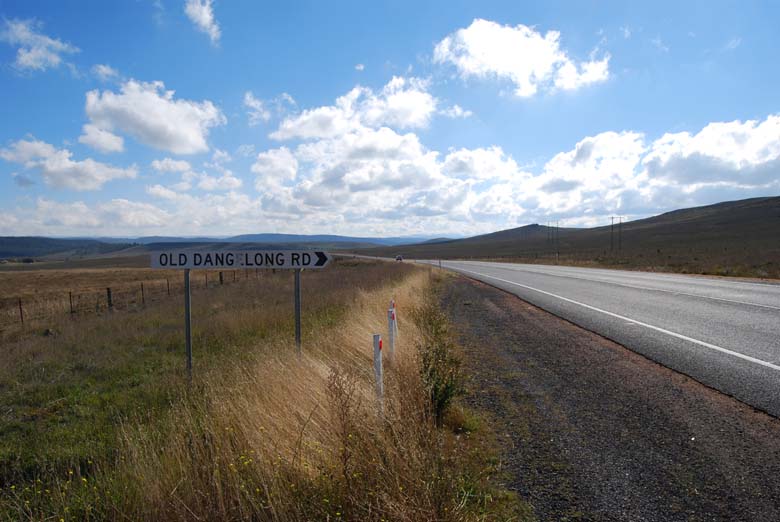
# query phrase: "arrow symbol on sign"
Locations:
[[321, 259]]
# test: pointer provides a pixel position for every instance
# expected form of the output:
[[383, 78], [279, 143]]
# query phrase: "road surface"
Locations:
[[723, 333]]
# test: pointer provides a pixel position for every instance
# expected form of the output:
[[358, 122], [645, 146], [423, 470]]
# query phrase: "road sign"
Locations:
[[284, 259], [214, 259]]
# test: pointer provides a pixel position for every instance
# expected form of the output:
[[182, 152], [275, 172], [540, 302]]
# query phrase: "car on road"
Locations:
[[399, 257]]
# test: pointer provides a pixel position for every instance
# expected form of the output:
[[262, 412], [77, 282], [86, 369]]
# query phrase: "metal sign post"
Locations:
[[188, 324], [298, 310], [232, 260]]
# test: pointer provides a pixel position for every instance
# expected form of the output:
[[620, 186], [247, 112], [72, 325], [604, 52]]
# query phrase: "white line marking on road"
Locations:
[[640, 323], [674, 292]]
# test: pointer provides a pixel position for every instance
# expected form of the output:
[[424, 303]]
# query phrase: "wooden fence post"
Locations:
[[221, 278], [70, 299], [109, 300], [168, 284], [21, 311], [143, 296]]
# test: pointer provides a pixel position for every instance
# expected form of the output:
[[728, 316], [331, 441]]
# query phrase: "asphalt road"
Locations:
[[725, 334]]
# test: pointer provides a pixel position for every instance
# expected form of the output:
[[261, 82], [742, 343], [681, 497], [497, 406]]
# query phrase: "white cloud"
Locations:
[[257, 111], [481, 164], [225, 182], [623, 173], [626, 32], [59, 170], [119, 215], [149, 113], [161, 192], [246, 150], [263, 110], [132, 214], [201, 13], [520, 54], [359, 67], [321, 122], [274, 166], [101, 140], [456, 111], [220, 156], [171, 165], [35, 50], [204, 181], [402, 103], [105, 72], [746, 153]]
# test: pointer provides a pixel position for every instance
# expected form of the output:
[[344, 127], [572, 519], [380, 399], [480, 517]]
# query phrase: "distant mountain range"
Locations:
[[730, 238], [268, 238], [60, 248]]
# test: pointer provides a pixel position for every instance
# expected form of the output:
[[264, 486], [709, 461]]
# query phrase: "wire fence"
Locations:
[[124, 297]]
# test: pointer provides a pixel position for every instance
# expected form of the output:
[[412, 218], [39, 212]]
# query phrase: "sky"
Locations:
[[217, 117]]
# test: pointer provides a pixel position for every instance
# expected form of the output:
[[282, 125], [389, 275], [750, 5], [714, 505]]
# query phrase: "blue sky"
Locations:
[[194, 117]]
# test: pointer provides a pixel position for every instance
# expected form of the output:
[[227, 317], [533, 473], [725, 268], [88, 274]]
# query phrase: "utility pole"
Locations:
[[612, 234], [620, 233]]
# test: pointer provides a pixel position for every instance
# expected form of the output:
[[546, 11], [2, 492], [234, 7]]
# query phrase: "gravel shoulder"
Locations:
[[593, 431]]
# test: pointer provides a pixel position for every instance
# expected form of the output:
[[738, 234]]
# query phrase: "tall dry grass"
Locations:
[[287, 438]]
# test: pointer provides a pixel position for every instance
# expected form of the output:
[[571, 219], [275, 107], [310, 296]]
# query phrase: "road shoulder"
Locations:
[[593, 431]]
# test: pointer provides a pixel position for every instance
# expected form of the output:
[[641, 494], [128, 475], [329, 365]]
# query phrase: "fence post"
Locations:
[[110, 301], [234, 276], [380, 387], [70, 300], [207, 278], [143, 295], [21, 311], [221, 278], [168, 284]]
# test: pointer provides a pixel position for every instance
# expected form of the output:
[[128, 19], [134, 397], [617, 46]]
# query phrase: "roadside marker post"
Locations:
[[390, 335], [297, 260], [380, 387]]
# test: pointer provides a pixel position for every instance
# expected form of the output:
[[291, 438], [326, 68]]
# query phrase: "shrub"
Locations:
[[439, 367]]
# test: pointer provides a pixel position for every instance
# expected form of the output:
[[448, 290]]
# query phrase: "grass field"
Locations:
[[97, 422]]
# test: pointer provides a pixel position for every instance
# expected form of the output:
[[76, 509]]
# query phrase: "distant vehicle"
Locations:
[[399, 257]]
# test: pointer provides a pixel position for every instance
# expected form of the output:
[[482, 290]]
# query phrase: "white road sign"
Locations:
[[193, 259]]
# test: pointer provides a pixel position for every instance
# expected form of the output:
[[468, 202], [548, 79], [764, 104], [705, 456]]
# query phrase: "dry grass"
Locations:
[[277, 437], [51, 294]]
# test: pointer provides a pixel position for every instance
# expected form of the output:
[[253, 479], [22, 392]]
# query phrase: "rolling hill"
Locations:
[[35, 247], [730, 238]]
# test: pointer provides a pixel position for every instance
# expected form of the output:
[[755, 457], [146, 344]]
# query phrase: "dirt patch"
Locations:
[[593, 431]]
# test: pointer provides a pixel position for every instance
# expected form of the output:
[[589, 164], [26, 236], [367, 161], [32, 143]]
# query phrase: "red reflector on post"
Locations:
[[380, 344]]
